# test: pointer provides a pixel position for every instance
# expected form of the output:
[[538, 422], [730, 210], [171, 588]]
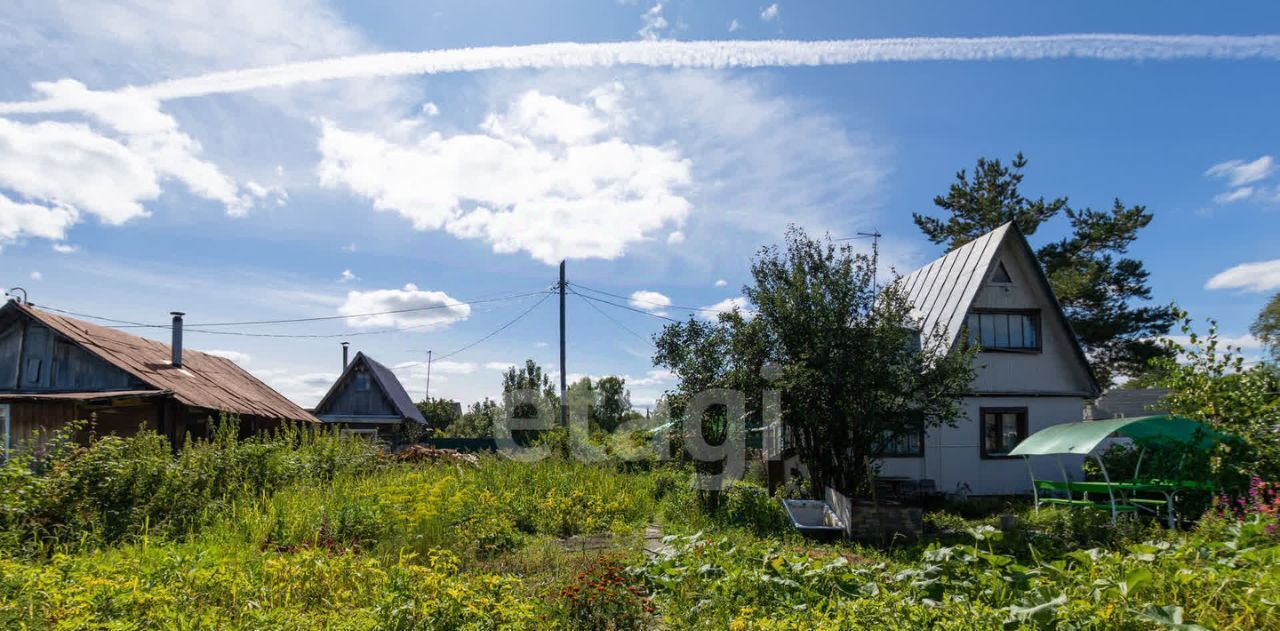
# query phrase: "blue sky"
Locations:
[[357, 195]]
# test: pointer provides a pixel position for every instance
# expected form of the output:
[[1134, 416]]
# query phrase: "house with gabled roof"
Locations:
[[369, 398], [1031, 371], [54, 369]]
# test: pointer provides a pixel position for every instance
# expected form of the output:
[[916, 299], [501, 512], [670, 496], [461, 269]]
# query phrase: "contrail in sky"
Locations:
[[706, 54]]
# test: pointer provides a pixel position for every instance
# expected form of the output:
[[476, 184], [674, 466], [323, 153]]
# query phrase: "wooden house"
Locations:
[[368, 398], [54, 369]]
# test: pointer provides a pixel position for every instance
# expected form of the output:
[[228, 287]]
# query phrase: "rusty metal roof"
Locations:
[[83, 396], [203, 381]]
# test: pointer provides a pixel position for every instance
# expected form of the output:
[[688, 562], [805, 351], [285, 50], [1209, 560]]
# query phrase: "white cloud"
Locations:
[[1251, 277], [727, 305], [709, 54], [1234, 195], [433, 309], [63, 248], [654, 23], [235, 356], [769, 13], [675, 238], [651, 378], [20, 219], [350, 247], [37, 276], [540, 344], [1238, 173], [430, 109], [734, 25], [1244, 342], [547, 176], [499, 366], [72, 168], [650, 301], [347, 276], [721, 283], [153, 136]]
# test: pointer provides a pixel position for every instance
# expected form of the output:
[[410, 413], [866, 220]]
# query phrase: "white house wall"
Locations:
[[1056, 368], [953, 458]]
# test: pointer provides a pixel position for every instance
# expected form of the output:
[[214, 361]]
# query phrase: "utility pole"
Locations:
[[564, 387], [427, 396]]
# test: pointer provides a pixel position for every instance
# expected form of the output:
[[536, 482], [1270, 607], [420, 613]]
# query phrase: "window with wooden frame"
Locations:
[[362, 381], [1015, 330], [1001, 430], [906, 445]]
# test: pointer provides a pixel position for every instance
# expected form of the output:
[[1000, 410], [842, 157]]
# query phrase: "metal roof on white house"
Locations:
[[942, 291]]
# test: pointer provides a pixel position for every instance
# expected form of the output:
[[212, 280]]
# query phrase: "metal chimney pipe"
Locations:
[[344, 355], [177, 338]]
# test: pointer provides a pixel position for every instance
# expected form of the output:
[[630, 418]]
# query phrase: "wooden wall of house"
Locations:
[[349, 401], [34, 421], [33, 358]]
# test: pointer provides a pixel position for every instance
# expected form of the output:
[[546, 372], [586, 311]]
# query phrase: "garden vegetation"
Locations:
[[306, 529]]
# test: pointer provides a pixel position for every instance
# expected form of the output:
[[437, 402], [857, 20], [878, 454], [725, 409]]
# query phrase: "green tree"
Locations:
[[853, 368], [1101, 291], [1211, 382], [614, 405], [440, 413], [1267, 327], [477, 421], [531, 377]]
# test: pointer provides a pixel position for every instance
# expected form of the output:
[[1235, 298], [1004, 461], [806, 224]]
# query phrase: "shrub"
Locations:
[[606, 597]]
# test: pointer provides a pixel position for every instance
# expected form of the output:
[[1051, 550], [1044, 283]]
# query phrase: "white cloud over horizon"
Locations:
[[770, 13], [415, 308], [1256, 277]]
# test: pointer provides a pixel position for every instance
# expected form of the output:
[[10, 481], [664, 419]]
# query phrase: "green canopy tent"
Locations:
[[1083, 437]]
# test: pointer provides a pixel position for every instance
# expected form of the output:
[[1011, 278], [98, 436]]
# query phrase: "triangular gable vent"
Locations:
[[1001, 275]]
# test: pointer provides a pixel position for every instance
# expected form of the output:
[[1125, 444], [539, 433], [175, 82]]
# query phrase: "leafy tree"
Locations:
[[1096, 285], [531, 377], [614, 405], [853, 369], [440, 413], [1267, 327], [478, 420], [1211, 382]]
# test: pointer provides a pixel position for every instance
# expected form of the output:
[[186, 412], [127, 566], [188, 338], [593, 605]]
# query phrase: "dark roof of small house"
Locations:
[[386, 380], [1129, 403], [204, 381], [942, 291]]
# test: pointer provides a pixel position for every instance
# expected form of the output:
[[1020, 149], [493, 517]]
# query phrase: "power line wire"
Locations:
[[455, 303], [612, 319], [195, 328], [641, 311], [650, 302], [498, 330]]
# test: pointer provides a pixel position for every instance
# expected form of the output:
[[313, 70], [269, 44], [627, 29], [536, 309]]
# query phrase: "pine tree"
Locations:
[[1103, 293]]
